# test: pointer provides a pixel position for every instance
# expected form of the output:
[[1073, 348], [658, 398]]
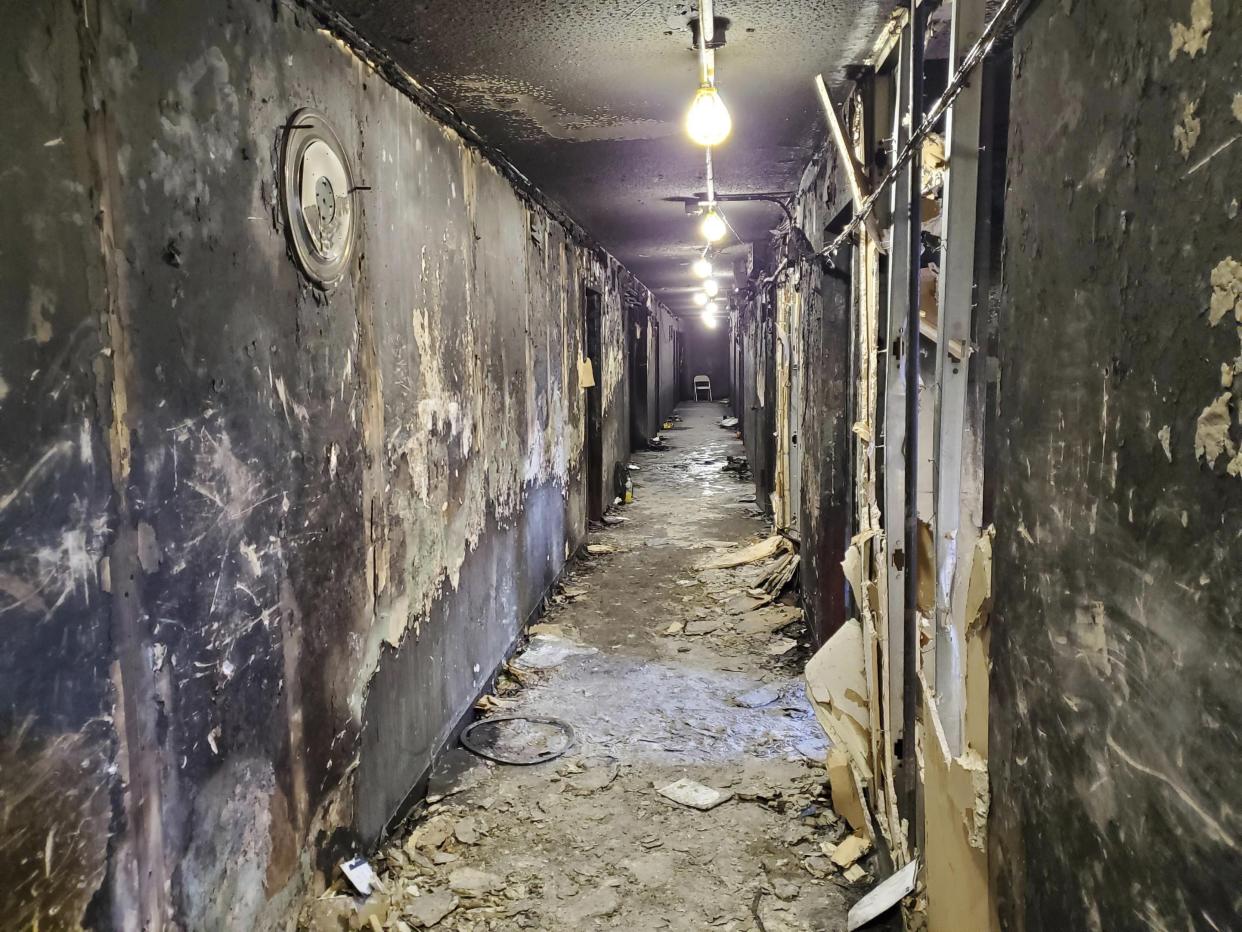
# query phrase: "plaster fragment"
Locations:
[[1186, 131], [1192, 37], [1166, 441], [1226, 290], [1212, 431], [1237, 107]]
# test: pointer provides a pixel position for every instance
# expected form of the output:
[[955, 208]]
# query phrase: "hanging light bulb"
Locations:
[[702, 267], [709, 322], [707, 121], [713, 226], [711, 287], [711, 309], [700, 299]]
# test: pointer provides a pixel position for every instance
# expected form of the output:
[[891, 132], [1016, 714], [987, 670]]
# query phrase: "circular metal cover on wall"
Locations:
[[317, 194]]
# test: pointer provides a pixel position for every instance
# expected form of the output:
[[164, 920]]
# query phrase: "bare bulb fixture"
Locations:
[[711, 287], [711, 309], [702, 267], [708, 122], [713, 226], [709, 322], [700, 299]]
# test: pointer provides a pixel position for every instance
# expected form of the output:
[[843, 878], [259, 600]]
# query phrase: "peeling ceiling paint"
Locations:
[[587, 100]]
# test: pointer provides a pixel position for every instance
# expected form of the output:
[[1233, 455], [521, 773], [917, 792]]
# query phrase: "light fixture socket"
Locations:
[[720, 27]]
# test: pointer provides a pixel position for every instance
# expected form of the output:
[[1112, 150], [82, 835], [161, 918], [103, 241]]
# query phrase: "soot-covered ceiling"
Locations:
[[587, 99]]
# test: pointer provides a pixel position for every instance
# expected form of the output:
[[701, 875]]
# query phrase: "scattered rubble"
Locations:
[[696, 795]]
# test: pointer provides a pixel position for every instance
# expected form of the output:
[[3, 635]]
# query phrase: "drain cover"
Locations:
[[317, 192]]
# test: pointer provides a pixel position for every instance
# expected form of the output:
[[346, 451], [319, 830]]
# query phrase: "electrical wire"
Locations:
[[971, 60]]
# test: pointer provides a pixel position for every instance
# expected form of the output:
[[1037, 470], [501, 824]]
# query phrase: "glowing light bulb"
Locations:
[[713, 226], [700, 299], [711, 287], [702, 268], [710, 322], [708, 122], [711, 309]]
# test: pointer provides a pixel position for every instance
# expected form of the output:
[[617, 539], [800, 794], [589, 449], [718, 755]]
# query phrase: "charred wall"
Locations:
[[823, 437], [1115, 709], [59, 726], [755, 401], [669, 338], [262, 543], [823, 432]]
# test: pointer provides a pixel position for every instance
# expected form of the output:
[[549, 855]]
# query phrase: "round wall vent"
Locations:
[[317, 193]]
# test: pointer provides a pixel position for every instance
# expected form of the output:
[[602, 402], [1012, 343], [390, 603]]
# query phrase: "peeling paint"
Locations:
[[1212, 431], [1192, 37], [1186, 130], [1226, 280], [1165, 435]]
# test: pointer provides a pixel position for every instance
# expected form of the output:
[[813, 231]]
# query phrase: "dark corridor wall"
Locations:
[[1116, 712], [707, 353], [260, 545]]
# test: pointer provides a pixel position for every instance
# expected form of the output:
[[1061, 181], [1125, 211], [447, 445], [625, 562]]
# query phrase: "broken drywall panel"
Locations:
[[847, 793], [956, 804], [978, 639], [837, 686], [753, 553], [927, 570]]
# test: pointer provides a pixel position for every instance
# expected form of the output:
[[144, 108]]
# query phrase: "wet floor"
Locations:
[[663, 671]]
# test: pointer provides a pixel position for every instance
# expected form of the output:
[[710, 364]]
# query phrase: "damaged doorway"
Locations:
[[640, 377], [593, 339]]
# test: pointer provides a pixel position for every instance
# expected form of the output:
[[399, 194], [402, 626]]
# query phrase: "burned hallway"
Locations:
[[826, 412], [674, 673]]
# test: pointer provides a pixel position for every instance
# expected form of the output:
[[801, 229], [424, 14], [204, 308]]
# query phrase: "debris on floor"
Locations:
[[518, 740], [694, 794], [887, 894], [762, 550], [758, 698], [545, 651]]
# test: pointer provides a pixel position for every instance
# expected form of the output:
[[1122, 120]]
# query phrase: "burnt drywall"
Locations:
[[262, 543], [755, 401], [708, 352], [1115, 711], [826, 457], [823, 432], [668, 339], [59, 733]]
